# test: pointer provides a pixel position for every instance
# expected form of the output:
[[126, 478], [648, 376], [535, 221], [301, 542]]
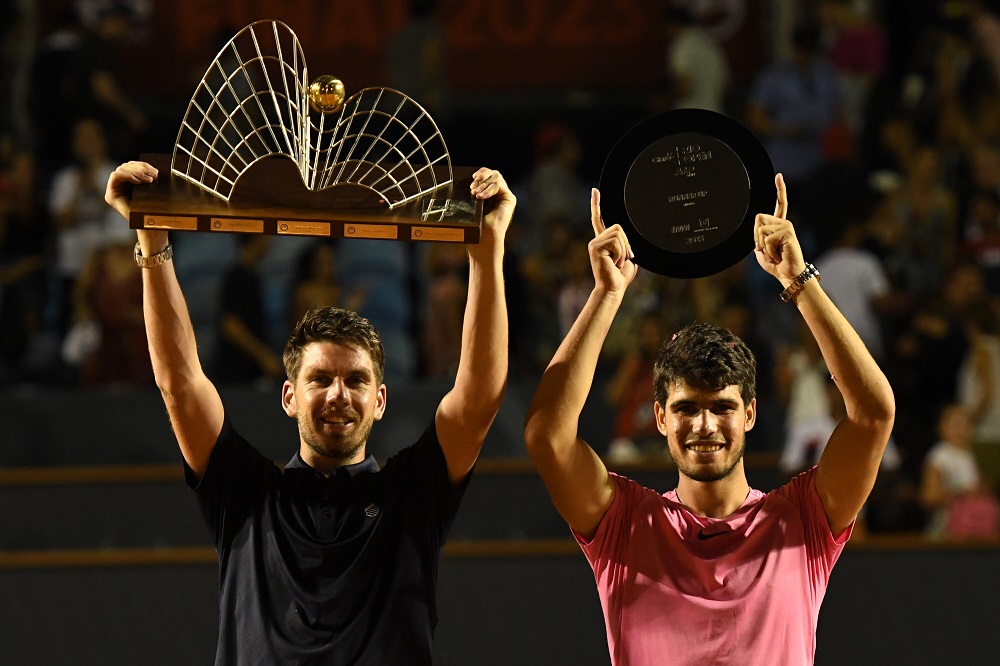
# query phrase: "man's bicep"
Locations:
[[847, 470], [196, 416], [579, 484], [460, 435]]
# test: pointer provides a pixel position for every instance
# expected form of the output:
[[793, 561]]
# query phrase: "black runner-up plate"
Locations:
[[685, 185]]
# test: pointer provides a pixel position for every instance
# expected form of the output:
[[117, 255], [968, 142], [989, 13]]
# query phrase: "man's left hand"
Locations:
[[490, 185], [776, 246]]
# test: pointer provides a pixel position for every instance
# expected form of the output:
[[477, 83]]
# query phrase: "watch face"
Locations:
[[686, 186]]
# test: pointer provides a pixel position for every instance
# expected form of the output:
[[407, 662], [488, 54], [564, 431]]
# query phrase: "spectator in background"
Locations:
[[554, 185], [650, 293], [244, 354], [544, 269], [968, 92], [115, 25], [82, 220], [109, 307], [697, 68], [24, 237], [856, 282], [802, 378], [315, 283], [76, 74], [814, 424], [57, 88], [951, 489], [983, 174], [858, 53], [791, 105], [918, 226], [930, 352], [984, 26], [417, 62], [979, 388], [575, 289], [888, 147], [630, 393], [448, 272], [983, 241]]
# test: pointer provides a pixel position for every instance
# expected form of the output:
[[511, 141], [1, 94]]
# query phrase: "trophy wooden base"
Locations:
[[270, 198]]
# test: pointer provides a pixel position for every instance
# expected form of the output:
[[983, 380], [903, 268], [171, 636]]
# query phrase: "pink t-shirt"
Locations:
[[684, 589]]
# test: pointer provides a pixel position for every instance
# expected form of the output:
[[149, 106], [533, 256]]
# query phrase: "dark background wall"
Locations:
[[883, 607]]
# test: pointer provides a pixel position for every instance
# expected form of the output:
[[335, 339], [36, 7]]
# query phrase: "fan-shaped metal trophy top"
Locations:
[[264, 149]]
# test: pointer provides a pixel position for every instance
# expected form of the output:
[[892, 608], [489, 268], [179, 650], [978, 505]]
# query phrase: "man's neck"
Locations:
[[325, 465], [714, 499]]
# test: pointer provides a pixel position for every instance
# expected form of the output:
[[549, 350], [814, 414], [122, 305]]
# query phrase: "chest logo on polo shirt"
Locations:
[[371, 510]]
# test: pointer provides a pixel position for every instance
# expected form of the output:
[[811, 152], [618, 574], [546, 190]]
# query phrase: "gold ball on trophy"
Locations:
[[326, 94]]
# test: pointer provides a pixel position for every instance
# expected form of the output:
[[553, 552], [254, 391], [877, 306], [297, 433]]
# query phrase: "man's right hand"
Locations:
[[610, 252], [119, 191]]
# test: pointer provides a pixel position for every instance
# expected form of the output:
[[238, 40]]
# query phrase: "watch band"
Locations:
[[796, 285], [161, 257]]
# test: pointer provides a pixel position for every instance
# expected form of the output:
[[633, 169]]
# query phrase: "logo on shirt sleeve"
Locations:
[[371, 510]]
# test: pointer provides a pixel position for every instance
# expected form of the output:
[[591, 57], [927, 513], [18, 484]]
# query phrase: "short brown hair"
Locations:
[[333, 325], [705, 357]]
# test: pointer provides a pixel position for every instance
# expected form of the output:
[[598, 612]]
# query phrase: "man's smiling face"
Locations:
[[335, 399], [705, 429]]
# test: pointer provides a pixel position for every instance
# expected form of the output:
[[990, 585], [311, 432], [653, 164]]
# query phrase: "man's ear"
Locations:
[[380, 403], [661, 418], [288, 399], [751, 415]]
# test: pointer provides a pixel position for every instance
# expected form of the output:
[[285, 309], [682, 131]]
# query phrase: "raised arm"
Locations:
[[467, 411], [193, 403], [850, 461], [575, 476]]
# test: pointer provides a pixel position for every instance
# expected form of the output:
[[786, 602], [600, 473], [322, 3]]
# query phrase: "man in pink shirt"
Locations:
[[714, 571]]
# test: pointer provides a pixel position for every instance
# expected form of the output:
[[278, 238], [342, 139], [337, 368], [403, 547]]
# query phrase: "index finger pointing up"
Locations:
[[781, 205], [595, 212]]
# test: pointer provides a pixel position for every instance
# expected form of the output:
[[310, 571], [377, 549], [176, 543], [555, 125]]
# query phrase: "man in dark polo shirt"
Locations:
[[333, 560]]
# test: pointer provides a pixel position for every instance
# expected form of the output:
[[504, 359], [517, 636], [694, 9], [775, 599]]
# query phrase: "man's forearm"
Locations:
[[566, 382], [482, 368], [172, 345]]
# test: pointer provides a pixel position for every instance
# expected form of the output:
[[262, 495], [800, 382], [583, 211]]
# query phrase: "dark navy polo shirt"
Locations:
[[326, 570]]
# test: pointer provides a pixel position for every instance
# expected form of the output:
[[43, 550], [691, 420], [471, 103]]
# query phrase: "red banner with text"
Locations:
[[489, 45]]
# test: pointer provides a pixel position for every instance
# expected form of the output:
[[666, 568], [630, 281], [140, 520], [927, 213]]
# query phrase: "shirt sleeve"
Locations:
[[823, 547], [610, 542], [424, 470], [233, 485]]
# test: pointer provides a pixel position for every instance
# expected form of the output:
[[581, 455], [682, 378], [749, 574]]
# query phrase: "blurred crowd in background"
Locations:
[[884, 118]]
